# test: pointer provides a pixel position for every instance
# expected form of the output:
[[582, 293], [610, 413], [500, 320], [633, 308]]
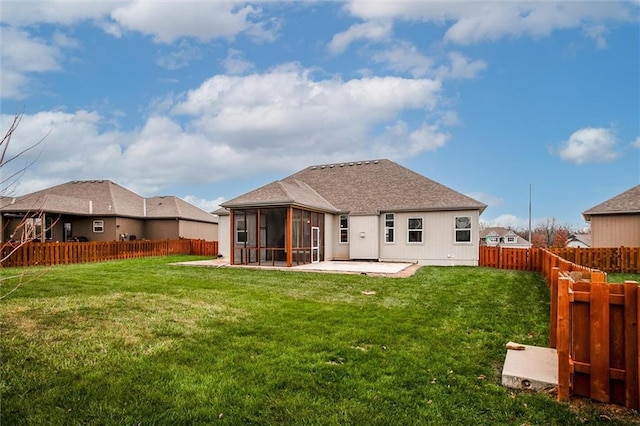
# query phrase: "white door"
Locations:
[[315, 244]]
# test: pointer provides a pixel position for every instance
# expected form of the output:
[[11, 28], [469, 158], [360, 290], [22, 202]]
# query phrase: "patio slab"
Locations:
[[352, 267]]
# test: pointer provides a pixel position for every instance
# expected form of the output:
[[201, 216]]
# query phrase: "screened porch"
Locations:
[[276, 236]]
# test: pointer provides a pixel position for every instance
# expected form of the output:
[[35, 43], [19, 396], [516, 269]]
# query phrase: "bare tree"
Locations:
[[9, 180]]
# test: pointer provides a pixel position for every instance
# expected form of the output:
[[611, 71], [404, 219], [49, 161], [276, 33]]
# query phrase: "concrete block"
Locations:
[[532, 368]]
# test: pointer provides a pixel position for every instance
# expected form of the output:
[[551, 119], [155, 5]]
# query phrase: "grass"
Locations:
[[144, 342]]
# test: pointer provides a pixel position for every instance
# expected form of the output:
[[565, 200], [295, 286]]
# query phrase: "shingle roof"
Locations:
[[624, 203], [362, 187], [101, 198], [171, 206]]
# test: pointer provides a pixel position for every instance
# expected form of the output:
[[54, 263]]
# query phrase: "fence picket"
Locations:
[[31, 254]]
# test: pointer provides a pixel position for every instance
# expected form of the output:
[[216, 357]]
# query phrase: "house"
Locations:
[[503, 237], [365, 210], [582, 240], [100, 210], [616, 221]]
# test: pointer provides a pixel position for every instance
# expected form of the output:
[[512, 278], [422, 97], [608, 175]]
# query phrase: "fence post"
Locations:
[[632, 341], [563, 340], [599, 337], [553, 332]]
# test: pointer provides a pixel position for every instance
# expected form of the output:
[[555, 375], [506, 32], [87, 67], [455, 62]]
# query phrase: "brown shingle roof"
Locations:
[[171, 206], [362, 187], [101, 198], [624, 203]]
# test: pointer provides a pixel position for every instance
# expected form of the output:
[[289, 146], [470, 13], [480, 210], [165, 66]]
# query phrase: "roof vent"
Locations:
[[331, 166], [313, 168], [376, 162], [359, 163], [351, 164], [323, 167], [367, 162], [342, 165]]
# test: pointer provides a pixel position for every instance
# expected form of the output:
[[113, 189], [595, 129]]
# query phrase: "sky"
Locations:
[[524, 106]]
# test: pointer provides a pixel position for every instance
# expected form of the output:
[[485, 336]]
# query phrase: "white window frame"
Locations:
[[511, 239], [389, 217], [238, 231], [456, 229], [343, 228], [415, 230], [98, 226]]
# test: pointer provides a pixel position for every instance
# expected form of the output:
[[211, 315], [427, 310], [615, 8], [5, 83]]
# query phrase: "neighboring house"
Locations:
[[100, 210], [499, 236], [364, 210], [581, 240], [616, 222]]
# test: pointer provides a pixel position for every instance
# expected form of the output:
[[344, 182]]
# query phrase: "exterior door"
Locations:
[[315, 244]]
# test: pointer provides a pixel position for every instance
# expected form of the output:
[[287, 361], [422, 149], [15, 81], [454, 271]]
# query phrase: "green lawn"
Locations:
[[143, 342]]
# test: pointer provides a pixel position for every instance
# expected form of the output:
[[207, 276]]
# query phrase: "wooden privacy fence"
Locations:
[[31, 254], [593, 324], [596, 336], [616, 259]]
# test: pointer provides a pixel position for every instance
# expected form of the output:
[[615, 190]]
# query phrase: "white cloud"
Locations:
[[476, 21], [22, 55], [169, 21], [216, 130], [405, 57], [204, 204], [507, 221], [374, 30], [235, 64], [590, 145], [461, 67], [24, 13], [179, 57], [427, 138], [636, 142]]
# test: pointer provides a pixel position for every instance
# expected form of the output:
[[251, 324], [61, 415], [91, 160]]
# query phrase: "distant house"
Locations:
[[100, 210], [499, 236], [616, 221], [364, 210], [582, 240]]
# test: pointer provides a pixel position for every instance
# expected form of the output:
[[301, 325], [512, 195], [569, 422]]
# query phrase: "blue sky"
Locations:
[[207, 100]]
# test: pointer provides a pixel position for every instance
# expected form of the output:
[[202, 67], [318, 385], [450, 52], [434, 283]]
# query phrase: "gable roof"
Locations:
[[624, 203], [499, 231], [359, 188], [169, 206], [102, 198]]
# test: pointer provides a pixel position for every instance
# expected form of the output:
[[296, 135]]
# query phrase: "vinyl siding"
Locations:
[[224, 233], [438, 246], [340, 250], [198, 230], [615, 230], [330, 236], [363, 237]]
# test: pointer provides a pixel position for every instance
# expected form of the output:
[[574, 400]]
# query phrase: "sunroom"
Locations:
[[276, 236]]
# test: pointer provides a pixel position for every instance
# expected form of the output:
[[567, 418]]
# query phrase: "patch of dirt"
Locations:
[[609, 412]]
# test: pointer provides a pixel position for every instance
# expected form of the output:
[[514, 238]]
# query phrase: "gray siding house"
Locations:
[[364, 210], [100, 210], [616, 221]]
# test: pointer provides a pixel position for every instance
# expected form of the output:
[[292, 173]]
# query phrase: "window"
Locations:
[[344, 228], [98, 226], [511, 240], [389, 228], [241, 230], [463, 229], [414, 226]]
